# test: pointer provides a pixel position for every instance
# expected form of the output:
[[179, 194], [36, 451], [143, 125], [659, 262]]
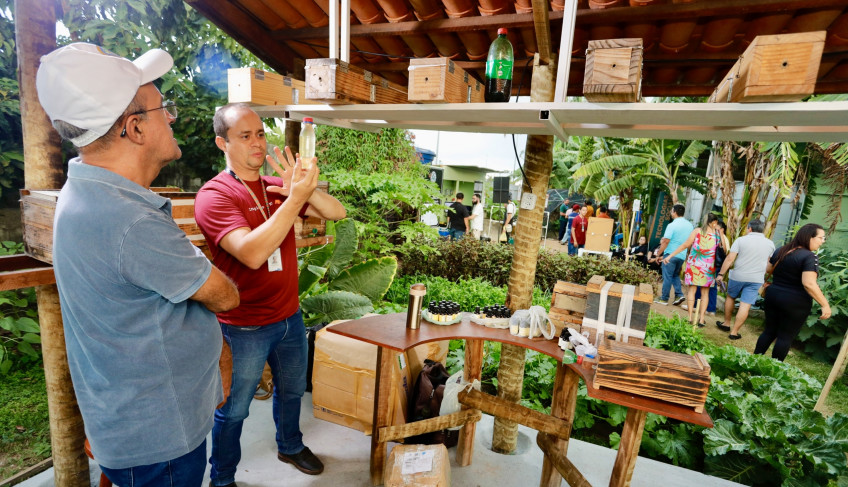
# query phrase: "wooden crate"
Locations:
[[337, 82], [634, 332], [599, 234], [613, 70], [780, 67], [39, 206], [660, 374], [258, 87], [440, 80], [568, 304]]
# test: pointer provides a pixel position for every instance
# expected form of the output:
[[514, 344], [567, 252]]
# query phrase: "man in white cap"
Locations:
[[137, 297]]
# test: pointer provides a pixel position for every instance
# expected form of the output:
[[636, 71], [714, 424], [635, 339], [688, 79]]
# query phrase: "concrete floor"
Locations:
[[345, 452]]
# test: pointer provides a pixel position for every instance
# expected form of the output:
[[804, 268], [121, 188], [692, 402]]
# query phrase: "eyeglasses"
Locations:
[[821, 237], [169, 107]]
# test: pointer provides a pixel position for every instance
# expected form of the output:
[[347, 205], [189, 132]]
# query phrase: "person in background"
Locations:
[[749, 256], [509, 213], [138, 299], [590, 209], [566, 239], [564, 210], [675, 235], [712, 301], [578, 229], [640, 252], [248, 220], [476, 217], [603, 212], [458, 216], [700, 265], [794, 269]]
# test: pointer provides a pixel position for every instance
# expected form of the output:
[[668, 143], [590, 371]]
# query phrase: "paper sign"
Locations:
[[417, 461]]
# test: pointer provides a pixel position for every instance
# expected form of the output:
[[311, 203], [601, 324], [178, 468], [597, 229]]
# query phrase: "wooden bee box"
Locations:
[[568, 304], [258, 87], [37, 209], [660, 374], [613, 70], [337, 82], [440, 80], [780, 67], [632, 332]]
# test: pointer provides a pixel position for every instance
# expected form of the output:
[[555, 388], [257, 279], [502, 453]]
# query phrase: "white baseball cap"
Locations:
[[90, 87]]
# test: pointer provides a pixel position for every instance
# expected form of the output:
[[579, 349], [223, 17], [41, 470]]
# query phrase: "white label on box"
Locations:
[[417, 461], [401, 361]]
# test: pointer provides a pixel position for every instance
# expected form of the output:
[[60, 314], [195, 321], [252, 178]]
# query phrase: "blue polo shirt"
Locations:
[[143, 356], [677, 232]]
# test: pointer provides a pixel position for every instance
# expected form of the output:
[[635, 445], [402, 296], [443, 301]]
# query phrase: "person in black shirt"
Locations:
[[789, 299], [639, 253], [458, 217]]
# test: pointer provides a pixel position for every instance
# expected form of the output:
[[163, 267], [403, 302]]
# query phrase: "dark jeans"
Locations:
[[562, 224], [283, 346], [186, 470], [456, 234], [671, 277]]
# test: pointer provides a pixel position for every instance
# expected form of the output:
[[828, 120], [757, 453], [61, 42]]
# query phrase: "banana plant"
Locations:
[[331, 288]]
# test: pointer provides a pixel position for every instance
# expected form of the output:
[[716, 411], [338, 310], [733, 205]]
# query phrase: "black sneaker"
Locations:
[[305, 461], [679, 300], [721, 326]]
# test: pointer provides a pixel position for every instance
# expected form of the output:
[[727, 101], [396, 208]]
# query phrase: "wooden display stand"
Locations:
[[440, 80], [337, 82], [599, 234], [613, 71], [258, 87], [392, 337], [779, 67]]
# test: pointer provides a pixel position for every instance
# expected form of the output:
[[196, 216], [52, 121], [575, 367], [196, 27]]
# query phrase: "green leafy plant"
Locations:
[[19, 329], [332, 289], [822, 339]]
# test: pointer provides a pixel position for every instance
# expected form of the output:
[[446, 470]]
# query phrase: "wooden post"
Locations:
[[383, 385], [472, 370], [528, 235], [836, 372], [628, 448], [35, 35], [563, 406]]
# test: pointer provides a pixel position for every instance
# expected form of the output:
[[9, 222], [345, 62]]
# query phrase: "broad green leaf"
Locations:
[[337, 305], [27, 325], [678, 445], [825, 455], [345, 244], [26, 349], [724, 437], [739, 468], [371, 278], [308, 278], [31, 338]]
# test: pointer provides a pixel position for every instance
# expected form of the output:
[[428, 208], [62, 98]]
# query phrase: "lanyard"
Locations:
[[252, 195]]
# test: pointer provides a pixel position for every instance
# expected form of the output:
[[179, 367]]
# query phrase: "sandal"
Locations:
[[702, 324], [734, 337], [721, 326]]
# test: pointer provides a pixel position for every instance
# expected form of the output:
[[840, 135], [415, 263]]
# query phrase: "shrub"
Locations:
[[822, 339], [468, 293], [468, 258]]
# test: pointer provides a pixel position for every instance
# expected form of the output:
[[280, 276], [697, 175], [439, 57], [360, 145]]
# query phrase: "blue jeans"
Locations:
[[186, 470], [671, 277], [283, 346], [456, 234], [711, 304]]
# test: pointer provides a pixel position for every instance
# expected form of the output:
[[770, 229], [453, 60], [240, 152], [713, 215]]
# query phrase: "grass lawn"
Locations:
[[24, 424]]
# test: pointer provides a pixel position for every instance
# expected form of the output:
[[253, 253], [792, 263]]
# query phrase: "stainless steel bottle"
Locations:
[[416, 299]]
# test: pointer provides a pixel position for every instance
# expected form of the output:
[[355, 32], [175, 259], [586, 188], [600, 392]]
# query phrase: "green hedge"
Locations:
[[822, 339], [468, 258]]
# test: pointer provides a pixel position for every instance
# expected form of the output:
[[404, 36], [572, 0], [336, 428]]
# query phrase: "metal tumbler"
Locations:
[[416, 298]]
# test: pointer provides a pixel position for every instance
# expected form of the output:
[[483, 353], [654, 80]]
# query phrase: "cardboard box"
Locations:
[[599, 234], [613, 70], [782, 67], [440, 80], [258, 87], [425, 466], [343, 379]]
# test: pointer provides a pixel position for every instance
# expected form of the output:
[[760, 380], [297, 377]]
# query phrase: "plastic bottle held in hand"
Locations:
[[307, 143], [499, 69]]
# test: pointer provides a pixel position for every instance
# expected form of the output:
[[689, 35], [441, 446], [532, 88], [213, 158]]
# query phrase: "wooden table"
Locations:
[[390, 334]]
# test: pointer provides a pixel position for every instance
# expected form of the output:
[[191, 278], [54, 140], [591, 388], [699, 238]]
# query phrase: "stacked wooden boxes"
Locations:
[[337, 82], [659, 374], [616, 311], [613, 70], [258, 87], [781, 67], [39, 206], [440, 80], [568, 304]]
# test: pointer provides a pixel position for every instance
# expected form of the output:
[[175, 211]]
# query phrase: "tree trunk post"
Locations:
[[528, 234], [35, 34]]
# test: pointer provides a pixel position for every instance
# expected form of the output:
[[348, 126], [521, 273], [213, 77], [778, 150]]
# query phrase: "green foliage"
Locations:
[[822, 339], [24, 423], [491, 262], [386, 152], [335, 305], [468, 293], [371, 278], [19, 330], [11, 135]]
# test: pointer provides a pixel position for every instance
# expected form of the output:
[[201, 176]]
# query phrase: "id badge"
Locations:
[[275, 261]]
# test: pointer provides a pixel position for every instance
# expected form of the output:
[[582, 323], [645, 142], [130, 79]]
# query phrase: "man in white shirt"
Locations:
[[476, 217], [506, 232]]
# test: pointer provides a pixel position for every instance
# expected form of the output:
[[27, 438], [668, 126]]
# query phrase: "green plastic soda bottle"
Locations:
[[499, 69]]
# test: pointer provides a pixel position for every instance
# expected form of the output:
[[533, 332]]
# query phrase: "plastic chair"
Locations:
[[104, 480]]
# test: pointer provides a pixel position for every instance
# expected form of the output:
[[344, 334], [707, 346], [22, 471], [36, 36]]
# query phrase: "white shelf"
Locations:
[[791, 122]]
